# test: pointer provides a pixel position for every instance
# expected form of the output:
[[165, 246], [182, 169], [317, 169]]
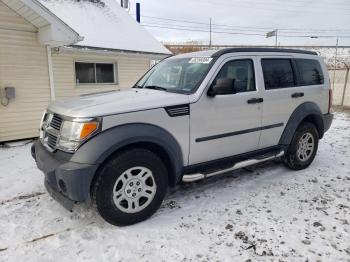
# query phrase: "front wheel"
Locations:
[[130, 187], [303, 147]]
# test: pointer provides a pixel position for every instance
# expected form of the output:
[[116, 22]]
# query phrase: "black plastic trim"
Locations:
[[307, 109], [103, 145], [222, 163], [241, 132], [327, 121], [77, 177], [262, 49], [179, 110]]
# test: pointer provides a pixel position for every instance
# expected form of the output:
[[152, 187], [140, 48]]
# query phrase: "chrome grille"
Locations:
[[50, 129], [56, 122], [51, 141]]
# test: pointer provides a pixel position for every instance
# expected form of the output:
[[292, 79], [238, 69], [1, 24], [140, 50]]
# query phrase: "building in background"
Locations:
[[60, 49]]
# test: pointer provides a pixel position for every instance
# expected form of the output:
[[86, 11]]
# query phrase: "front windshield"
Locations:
[[176, 74]]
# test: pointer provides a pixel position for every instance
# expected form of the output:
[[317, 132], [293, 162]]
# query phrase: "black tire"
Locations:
[[292, 158], [109, 174]]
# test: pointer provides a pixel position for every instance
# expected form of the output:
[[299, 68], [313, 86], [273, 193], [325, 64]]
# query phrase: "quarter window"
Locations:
[[310, 72], [278, 73], [95, 73], [242, 74]]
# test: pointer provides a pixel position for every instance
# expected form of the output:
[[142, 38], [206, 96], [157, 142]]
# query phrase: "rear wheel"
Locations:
[[130, 187], [303, 147]]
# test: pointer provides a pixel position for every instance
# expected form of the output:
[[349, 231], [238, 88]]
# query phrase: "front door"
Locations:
[[227, 125]]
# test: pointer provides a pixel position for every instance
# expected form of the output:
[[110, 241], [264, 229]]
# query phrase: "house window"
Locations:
[[95, 73]]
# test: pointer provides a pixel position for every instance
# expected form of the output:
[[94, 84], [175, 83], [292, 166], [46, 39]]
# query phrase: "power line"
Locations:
[[247, 4], [285, 4], [238, 33], [198, 30], [248, 27], [205, 27]]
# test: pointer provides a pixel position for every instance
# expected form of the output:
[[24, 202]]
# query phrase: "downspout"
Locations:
[[51, 79]]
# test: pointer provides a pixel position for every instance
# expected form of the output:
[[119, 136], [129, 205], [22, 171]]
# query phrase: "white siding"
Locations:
[[23, 65], [130, 69]]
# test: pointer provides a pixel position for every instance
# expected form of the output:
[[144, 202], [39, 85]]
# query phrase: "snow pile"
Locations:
[[104, 24], [267, 213]]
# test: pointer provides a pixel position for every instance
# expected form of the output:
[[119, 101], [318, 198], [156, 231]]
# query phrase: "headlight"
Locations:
[[74, 133]]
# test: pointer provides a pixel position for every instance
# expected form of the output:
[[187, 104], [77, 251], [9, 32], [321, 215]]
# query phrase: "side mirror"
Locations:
[[223, 86]]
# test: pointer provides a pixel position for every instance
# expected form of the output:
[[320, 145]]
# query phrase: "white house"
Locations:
[[55, 49]]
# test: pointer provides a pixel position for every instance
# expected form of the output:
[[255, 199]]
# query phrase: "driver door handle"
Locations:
[[255, 100]]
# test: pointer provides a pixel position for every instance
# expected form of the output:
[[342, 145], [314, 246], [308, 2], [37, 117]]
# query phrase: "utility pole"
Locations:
[[210, 33], [335, 61], [276, 30]]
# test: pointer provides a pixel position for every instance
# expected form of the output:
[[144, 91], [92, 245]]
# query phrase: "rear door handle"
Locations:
[[255, 100], [296, 95]]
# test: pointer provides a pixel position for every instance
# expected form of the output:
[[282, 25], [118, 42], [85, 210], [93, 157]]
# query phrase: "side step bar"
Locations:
[[195, 177]]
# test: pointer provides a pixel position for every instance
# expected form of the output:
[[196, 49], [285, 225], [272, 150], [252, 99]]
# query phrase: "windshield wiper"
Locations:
[[156, 88]]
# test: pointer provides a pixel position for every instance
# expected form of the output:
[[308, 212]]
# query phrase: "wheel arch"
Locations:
[[307, 111], [114, 140]]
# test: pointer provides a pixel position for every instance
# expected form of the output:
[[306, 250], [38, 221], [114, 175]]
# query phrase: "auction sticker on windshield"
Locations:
[[200, 60]]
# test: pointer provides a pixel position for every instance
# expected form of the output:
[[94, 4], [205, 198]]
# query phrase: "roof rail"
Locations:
[[260, 49]]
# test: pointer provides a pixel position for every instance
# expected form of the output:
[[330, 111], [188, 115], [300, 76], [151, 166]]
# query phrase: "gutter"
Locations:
[[91, 48], [51, 79]]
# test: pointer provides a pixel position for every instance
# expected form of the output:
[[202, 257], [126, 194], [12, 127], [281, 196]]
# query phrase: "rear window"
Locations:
[[278, 73], [310, 72]]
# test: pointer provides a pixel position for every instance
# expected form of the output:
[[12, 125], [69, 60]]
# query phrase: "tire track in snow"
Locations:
[[44, 237], [22, 197]]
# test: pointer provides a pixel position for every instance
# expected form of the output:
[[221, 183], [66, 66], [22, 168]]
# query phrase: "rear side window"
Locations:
[[310, 72], [278, 73]]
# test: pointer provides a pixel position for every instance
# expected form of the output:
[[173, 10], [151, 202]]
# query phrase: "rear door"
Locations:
[[284, 92]]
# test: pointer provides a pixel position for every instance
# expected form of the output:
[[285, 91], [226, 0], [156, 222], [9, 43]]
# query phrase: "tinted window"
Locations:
[[309, 71], [93, 73], [242, 74], [104, 73], [278, 73], [85, 73]]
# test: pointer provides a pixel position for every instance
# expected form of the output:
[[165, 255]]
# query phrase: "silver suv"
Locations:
[[190, 117]]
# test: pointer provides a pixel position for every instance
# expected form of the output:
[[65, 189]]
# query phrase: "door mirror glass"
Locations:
[[222, 86]]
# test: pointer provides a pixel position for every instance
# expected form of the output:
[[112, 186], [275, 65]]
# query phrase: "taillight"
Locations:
[[330, 100]]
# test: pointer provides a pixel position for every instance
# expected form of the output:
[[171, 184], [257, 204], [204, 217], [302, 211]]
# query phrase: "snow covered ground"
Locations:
[[267, 213]]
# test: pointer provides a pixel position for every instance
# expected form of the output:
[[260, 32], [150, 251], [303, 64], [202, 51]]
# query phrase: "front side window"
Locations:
[[310, 72], [95, 73], [176, 74], [278, 73], [241, 73]]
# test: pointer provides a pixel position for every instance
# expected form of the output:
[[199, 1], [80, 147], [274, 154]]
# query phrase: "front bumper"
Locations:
[[67, 182], [327, 121]]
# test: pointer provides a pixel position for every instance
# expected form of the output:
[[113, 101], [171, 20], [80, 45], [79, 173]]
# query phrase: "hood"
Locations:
[[116, 102]]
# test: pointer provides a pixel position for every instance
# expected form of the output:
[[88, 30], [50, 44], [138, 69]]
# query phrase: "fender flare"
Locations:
[[96, 150], [307, 109]]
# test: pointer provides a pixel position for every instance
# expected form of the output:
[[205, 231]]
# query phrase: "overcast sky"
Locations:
[[292, 18]]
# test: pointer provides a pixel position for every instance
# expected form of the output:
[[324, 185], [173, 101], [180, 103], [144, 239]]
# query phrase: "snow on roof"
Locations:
[[104, 24]]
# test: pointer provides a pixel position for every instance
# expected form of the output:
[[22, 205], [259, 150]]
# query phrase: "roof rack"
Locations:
[[260, 49]]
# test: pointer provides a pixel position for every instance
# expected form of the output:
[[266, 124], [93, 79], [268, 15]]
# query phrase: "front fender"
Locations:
[[100, 147]]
